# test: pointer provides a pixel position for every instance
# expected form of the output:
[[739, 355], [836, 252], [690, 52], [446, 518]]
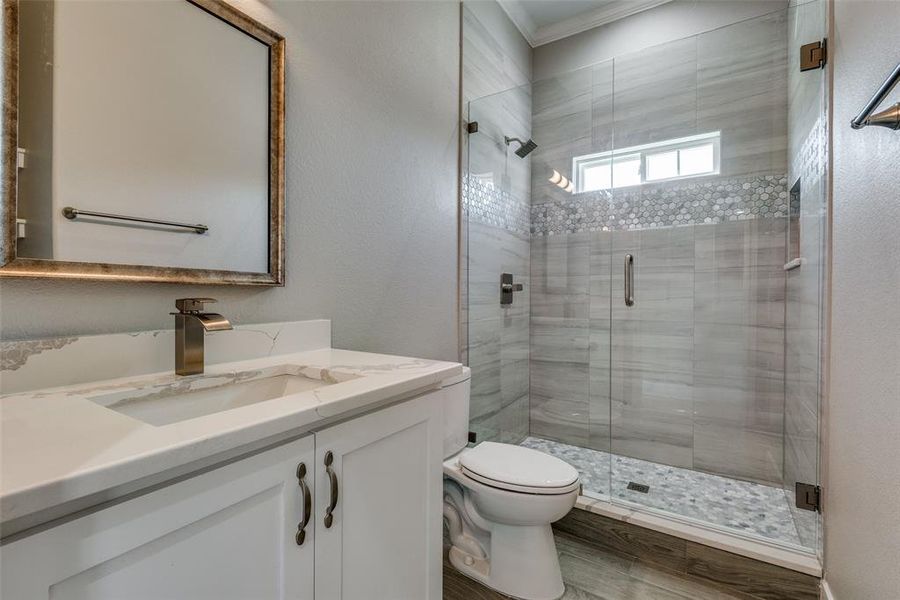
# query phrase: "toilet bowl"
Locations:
[[499, 502]]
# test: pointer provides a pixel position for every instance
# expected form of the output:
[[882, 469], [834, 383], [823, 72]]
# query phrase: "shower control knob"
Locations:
[[507, 287]]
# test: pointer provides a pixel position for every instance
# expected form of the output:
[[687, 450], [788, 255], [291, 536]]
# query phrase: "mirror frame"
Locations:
[[13, 266]]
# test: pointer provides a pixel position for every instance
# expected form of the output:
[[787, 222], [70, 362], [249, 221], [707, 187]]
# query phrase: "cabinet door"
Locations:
[[225, 534], [384, 537]]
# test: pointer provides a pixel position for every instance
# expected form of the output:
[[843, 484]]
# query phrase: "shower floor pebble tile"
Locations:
[[753, 508]]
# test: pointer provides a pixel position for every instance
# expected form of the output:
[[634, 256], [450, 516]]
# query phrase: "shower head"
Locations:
[[525, 148]]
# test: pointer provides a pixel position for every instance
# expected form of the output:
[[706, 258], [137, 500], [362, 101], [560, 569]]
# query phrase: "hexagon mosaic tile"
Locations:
[[664, 205]]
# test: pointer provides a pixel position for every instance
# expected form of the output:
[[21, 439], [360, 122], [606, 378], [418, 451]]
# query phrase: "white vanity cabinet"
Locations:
[[230, 532]]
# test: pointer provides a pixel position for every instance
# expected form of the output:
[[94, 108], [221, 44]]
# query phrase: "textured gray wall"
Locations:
[[862, 447], [372, 93]]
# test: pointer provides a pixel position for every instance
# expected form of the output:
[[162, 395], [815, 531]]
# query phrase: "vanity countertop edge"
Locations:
[[57, 446]]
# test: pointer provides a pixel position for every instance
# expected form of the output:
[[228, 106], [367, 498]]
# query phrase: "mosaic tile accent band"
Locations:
[[665, 205], [483, 203]]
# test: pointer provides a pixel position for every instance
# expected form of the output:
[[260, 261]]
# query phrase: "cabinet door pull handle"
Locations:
[[332, 477], [307, 504]]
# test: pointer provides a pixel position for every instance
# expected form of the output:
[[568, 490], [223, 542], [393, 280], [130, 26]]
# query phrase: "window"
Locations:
[[672, 159]]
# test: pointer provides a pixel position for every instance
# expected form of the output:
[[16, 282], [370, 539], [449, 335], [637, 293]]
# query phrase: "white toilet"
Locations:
[[499, 501]]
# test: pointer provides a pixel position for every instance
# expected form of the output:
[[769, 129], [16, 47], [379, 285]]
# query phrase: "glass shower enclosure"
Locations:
[[668, 232]]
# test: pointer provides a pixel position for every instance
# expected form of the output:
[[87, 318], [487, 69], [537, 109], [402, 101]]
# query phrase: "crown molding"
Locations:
[[538, 36], [520, 18]]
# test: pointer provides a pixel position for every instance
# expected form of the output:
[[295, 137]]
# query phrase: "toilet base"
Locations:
[[522, 562]]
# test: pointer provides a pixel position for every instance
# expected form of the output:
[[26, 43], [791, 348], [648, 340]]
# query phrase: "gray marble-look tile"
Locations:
[[754, 403], [750, 243], [488, 67], [602, 106], [738, 451], [747, 351], [656, 94], [742, 76], [490, 159], [740, 296], [559, 400], [562, 128]]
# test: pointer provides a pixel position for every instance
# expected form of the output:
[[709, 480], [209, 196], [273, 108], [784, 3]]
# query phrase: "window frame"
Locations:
[[587, 161]]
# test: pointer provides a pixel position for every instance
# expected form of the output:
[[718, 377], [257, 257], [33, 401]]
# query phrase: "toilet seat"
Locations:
[[518, 469]]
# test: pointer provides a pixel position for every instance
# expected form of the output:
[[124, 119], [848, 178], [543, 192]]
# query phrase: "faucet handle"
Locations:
[[192, 304]]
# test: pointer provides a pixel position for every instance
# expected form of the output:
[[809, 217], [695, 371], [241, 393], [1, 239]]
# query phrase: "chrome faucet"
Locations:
[[190, 325]]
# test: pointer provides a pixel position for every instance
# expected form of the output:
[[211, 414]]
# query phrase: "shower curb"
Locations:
[[769, 572]]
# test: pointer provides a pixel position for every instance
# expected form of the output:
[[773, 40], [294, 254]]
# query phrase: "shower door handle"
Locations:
[[629, 280]]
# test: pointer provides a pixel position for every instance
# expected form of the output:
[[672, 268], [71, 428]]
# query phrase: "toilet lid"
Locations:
[[517, 468]]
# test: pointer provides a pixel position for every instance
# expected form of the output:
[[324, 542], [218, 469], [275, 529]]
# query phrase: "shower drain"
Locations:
[[638, 487]]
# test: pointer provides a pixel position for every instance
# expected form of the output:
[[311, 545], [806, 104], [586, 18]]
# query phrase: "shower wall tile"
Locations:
[[600, 355], [559, 276], [498, 335], [560, 340], [741, 82], [491, 62], [652, 392], [652, 344], [513, 421], [484, 360], [599, 406], [489, 158], [739, 349], [562, 127], [656, 94], [741, 401], [697, 359], [602, 112], [737, 452], [741, 244], [559, 395], [740, 296]]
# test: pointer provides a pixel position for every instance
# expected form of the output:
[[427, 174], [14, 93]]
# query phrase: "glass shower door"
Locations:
[[716, 258]]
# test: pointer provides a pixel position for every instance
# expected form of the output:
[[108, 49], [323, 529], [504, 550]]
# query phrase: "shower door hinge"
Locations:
[[472, 127], [809, 496], [813, 56]]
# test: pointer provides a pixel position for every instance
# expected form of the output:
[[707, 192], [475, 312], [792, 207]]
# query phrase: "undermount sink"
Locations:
[[196, 397]]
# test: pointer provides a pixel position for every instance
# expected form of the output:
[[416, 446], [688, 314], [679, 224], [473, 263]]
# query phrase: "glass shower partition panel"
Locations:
[[805, 285], [496, 193]]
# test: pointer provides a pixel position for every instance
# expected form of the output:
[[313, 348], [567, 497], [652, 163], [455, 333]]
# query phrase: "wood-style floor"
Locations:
[[592, 573]]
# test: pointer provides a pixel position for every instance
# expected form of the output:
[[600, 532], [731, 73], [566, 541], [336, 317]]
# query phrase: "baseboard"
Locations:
[[826, 591]]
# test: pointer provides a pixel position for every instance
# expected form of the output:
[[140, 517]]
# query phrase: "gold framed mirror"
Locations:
[[142, 141]]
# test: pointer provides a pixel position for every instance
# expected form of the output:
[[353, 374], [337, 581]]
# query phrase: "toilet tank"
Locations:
[[456, 412]]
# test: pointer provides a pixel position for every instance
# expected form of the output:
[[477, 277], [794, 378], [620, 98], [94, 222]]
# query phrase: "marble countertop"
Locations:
[[58, 446]]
